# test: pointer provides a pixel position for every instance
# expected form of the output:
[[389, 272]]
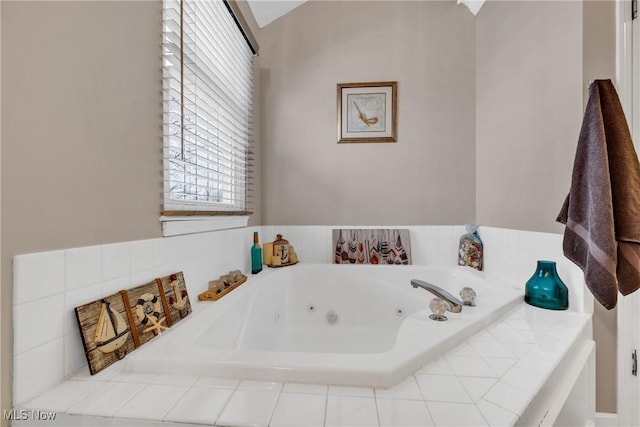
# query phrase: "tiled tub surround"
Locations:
[[48, 285], [494, 378]]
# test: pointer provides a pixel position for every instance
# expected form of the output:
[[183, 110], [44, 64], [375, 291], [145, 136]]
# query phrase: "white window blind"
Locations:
[[207, 104]]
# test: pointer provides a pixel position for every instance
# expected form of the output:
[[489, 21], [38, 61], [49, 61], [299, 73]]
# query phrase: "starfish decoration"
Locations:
[[156, 326]]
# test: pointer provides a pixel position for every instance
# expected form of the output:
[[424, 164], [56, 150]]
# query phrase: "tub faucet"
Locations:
[[455, 305]]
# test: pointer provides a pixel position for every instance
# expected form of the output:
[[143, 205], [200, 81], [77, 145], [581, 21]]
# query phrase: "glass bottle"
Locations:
[[256, 255], [545, 289]]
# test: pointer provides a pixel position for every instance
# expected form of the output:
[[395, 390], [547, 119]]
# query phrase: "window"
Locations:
[[207, 105]]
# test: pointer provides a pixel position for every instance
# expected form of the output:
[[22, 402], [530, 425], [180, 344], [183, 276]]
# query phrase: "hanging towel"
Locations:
[[602, 210]]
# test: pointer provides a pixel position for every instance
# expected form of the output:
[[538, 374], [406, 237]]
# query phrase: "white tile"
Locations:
[[200, 405], [407, 389], [152, 403], [299, 410], [141, 255], [63, 396], [107, 399], [248, 407], [471, 367], [500, 365], [175, 379], [83, 267], [217, 382], [259, 385], [510, 335], [75, 298], [162, 251], [455, 414], [74, 356], [438, 388], [437, 367], [38, 369], [141, 278], [477, 387], [135, 377], [521, 349], [463, 350], [508, 397], [110, 287], [335, 390], [37, 275], [305, 388], [116, 260], [495, 415], [535, 364], [104, 375], [525, 380], [37, 322], [403, 413], [351, 411], [492, 349]]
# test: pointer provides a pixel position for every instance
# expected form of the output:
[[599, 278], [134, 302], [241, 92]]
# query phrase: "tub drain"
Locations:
[[332, 317]]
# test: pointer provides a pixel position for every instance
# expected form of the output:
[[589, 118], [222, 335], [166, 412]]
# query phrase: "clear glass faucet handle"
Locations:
[[468, 296], [438, 307]]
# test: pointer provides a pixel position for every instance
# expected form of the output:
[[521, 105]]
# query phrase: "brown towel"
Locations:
[[602, 210]]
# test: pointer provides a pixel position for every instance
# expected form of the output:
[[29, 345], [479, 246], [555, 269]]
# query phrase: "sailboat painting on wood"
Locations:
[[105, 332], [371, 246], [112, 330]]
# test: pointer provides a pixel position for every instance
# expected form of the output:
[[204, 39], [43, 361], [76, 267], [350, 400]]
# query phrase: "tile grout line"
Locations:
[[226, 403], [273, 412], [176, 402], [375, 401]]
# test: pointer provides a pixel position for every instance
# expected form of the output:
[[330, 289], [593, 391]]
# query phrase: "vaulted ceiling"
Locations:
[[267, 11]]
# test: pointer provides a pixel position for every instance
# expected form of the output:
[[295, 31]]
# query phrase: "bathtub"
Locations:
[[326, 324]]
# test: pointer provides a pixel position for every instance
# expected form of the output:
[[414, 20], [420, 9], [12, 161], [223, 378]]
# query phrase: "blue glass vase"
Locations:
[[545, 289]]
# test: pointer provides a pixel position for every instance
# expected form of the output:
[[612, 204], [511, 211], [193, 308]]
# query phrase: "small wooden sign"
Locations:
[[114, 326]]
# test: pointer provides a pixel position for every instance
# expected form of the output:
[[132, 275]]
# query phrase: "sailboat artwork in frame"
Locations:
[[367, 112], [105, 331]]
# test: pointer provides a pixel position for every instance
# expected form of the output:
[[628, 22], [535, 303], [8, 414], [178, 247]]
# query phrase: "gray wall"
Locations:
[[82, 131], [599, 61], [428, 176], [528, 111], [534, 61]]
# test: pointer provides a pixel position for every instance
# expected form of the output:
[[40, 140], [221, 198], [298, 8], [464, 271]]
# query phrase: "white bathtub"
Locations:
[[328, 324]]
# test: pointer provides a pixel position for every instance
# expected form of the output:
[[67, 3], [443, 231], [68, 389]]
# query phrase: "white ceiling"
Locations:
[[267, 11]]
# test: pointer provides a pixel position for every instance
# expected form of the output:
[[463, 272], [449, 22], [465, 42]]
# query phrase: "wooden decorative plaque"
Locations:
[[114, 326]]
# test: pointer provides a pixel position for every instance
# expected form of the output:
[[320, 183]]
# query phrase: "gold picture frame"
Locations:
[[367, 112]]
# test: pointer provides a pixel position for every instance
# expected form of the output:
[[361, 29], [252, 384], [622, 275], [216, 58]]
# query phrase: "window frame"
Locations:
[[195, 216]]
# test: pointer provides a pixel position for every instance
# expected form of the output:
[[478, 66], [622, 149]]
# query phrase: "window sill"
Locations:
[[175, 226]]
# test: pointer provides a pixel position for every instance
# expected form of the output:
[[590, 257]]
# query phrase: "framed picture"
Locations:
[[367, 112]]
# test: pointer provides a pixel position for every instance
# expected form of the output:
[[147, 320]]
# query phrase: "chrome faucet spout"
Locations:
[[455, 305]]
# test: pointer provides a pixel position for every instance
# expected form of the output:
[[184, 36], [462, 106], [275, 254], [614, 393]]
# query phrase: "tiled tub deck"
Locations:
[[517, 371]]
